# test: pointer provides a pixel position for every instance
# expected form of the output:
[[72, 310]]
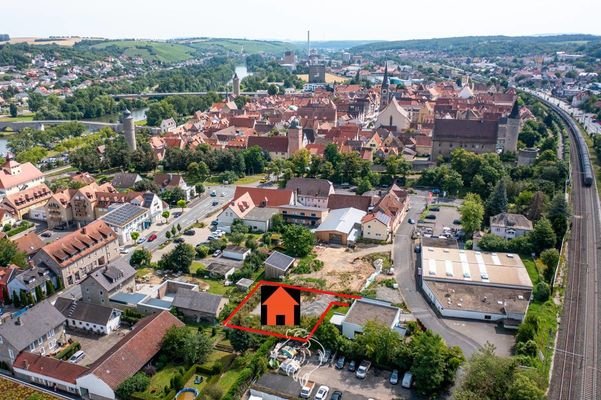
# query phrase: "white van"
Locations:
[[77, 357], [407, 380]]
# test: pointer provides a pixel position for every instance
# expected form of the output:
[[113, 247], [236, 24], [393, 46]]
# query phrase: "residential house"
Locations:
[[254, 206], [172, 181], [6, 217], [311, 192], [236, 253], [155, 206], [258, 219], [48, 371], [125, 180], [30, 282], [106, 281], [77, 254], [394, 117], [30, 243], [509, 226], [341, 226], [16, 177], [126, 219], [29, 202], [278, 265], [376, 226], [275, 146], [40, 329], [366, 310], [127, 357], [199, 306], [386, 216], [167, 125], [302, 215], [6, 275], [88, 317]]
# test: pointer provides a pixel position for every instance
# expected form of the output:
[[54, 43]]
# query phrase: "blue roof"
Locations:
[[158, 303]]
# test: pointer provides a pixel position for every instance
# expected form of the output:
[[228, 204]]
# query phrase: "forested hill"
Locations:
[[489, 46]]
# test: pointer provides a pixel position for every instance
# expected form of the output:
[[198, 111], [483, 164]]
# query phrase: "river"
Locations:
[[242, 72]]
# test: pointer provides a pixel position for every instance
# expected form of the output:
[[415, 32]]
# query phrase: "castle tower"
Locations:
[[295, 138], [129, 130], [384, 94], [236, 84], [513, 129]]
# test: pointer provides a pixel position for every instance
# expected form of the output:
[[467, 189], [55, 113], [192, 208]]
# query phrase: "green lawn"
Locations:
[[22, 118], [142, 272], [162, 378], [216, 287], [227, 379], [546, 315], [196, 265], [249, 179], [141, 123], [532, 269]]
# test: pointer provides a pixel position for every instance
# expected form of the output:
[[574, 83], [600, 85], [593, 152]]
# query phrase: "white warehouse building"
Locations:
[[476, 285]]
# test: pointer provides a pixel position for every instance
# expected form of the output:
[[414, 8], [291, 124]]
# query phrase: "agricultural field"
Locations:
[[150, 50]]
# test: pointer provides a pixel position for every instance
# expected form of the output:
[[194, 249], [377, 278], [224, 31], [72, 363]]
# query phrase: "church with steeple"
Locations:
[[384, 91]]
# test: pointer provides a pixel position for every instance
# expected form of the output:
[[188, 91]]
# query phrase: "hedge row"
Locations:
[[69, 351]]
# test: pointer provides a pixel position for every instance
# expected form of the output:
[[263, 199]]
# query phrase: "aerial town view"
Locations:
[[263, 200]]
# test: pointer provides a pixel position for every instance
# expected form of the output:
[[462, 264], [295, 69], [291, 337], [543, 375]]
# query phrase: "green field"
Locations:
[[21, 118], [150, 50], [241, 45]]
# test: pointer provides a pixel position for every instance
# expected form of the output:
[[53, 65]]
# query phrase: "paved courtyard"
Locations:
[[95, 346]]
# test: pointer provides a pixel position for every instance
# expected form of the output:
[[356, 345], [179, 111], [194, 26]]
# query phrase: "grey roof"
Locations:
[[125, 180], [310, 187], [81, 311], [128, 298], [148, 198], [35, 276], [279, 261], [245, 282], [112, 275], [197, 301], [220, 268], [260, 214], [341, 220], [365, 310], [508, 220], [123, 215], [236, 249], [31, 325]]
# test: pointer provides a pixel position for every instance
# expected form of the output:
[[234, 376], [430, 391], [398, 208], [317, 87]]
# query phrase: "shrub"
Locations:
[[213, 392], [69, 351], [541, 292], [137, 383], [202, 251]]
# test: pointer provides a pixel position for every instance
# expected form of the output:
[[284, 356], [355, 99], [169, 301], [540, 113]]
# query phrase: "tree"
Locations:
[[10, 254], [168, 235], [558, 215], [165, 214], [300, 162], [135, 235], [277, 223], [251, 243], [173, 230], [213, 392], [543, 237], [186, 345], [524, 388], [497, 202], [13, 110], [451, 182], [137, 383], [179, 228], [50, 290], [179, 259], [541, 292], [273, 89], [236, 238], [181, 204], [550, 258], [472, 214], [5, 295], [298, 240], [159, 111], [364, 186], [240, 340], [537, 206], [39, 295], [140, 258], [16, 299], [198, 170]]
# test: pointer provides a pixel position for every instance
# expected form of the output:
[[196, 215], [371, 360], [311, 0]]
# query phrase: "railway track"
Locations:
[[576, 371]]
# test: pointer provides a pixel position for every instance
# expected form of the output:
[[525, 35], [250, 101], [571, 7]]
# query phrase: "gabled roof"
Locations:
[[28, 197], [31, 325], [33, 277], [270, 144], [337, 201], [262, 197], [509, 220], [112, 275], [341, 220], [279, 261], [168, 180], [310, 187], [30, 243], [478, 131], [81, 311], [29, 172], [135, 350], [125, 180], [197, 301], [49, 366], [7, 273]]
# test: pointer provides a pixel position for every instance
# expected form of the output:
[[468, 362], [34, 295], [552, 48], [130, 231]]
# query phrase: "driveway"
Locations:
[[95, 346], [404, 263]]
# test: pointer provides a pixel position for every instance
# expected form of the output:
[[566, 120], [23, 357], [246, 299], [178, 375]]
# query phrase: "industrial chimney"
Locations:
[[129, 130]]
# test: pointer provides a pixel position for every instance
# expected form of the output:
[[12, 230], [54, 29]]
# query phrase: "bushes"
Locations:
[[69, 351], [137, 383], [308, 265], [541, 292]]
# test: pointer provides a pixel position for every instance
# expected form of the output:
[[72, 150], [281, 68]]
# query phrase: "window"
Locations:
[[11, 355], [487, 317], [1, 341]]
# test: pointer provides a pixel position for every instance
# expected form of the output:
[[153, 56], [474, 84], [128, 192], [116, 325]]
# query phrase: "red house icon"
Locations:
[[281, 307]]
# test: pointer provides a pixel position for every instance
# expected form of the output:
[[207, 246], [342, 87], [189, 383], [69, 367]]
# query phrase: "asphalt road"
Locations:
[[404, 265]]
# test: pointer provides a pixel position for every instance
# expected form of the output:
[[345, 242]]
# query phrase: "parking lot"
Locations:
[[95, 346], [445, 216]]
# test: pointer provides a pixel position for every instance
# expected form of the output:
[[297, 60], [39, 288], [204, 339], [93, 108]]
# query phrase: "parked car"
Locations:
[[152, 237], [361, 372], [307, 389], [434, 208], [123, 250], [337, 395], [394, 377], [418, 248], [198, 380], [407, 380], [213, 193], [430, 216], [77, 357], [214, 222], [46, 234], [211, 237], [411, 221], [177, 214], [340, 362], [179, 240], [215, 203], [324, 356], [59, 228], [457, 221], [141, 240], [322, 393], [217, 253], [190, 232], [352, 366], [222, 194]]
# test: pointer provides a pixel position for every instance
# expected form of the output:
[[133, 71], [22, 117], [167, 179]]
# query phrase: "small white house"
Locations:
[[88, 316], [365, 310], [127, 218], [509, 226], [235, 253]]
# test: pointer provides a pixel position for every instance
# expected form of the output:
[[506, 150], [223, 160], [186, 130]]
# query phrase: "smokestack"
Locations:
[[309, 46]]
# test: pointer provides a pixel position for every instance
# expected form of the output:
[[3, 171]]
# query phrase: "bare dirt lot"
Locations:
[[345, 270]]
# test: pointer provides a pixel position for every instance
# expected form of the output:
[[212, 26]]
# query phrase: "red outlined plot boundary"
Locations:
[[227, 322]]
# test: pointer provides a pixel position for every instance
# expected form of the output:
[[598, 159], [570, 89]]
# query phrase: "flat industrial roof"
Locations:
[[364, 310], [474, 266], [127, 298], [481, 298]]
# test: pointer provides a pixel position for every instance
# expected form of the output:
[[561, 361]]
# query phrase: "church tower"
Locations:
[[236, 84], [384, 94]]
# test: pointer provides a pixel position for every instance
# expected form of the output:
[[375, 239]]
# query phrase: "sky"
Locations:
[[290, 20]]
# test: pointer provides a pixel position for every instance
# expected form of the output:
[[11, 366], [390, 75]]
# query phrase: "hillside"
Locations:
[[148, 50], [238, 45], [486, 46]]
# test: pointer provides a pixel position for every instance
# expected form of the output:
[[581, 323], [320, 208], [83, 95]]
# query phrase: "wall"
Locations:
[[45, 380], [97, 388], [375, 230]]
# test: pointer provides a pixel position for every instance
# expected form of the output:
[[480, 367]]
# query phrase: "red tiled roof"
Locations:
[[135, 350], [49, 366], [271, 144], [29, 243], [274, 197]]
